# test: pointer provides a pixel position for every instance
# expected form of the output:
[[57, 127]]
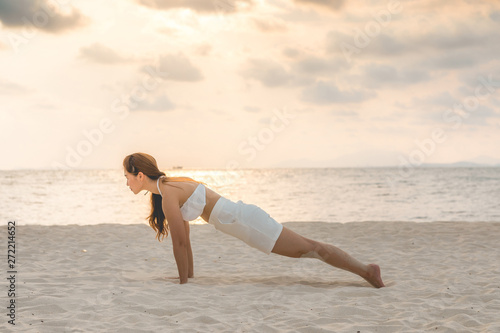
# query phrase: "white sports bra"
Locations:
[[193, 207]]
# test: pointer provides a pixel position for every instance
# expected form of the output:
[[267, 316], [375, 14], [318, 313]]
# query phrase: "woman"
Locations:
[[179, 200]]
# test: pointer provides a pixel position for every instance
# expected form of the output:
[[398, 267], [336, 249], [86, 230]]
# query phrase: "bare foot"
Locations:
[[373, 276]]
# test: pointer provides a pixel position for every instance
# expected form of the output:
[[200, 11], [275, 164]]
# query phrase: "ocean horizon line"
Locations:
[[458, 165]]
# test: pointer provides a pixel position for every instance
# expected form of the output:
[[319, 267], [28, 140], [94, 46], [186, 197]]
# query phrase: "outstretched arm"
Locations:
[[180, 240], [189, 251]]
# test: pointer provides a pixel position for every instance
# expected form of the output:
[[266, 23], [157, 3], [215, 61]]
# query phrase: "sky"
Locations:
[[248, 83]]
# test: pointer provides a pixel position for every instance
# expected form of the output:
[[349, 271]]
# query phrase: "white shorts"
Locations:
[[247, 222]]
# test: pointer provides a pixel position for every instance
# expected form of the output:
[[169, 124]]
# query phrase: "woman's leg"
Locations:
[[291, 244]]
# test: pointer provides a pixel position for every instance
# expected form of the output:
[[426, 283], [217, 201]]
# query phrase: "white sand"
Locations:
[[441, 277]]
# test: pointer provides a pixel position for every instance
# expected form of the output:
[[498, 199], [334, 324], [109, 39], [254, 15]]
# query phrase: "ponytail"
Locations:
[[157, 217]]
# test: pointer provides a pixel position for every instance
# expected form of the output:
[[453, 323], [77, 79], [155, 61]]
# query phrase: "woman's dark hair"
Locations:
[[141, 162]]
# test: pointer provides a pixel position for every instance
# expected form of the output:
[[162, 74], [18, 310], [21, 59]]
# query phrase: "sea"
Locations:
[[332, 195]]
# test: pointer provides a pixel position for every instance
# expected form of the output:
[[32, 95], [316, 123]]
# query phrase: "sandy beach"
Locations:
[[440, 277]]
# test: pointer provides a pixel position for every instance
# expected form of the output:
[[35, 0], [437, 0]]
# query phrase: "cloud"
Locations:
[[303, 71], [39, 14], [176, 68], [462, 43], [329, 4], [267, 72], [323, 93], [101, 54], [316, 66], [376, 75], [480, 116], [270, 25], [495, 16], [162, 103], [291, 52], [386, 45], [346, 114], [437, 108], [252, 109], [442, 99], [204, 49], [8, 88], [455, 60], [200, 6], [458, 37], [357, 44]]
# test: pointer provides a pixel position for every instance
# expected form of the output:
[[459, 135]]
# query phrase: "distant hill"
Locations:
[[305, 163], [462, 164], [380, 158]]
